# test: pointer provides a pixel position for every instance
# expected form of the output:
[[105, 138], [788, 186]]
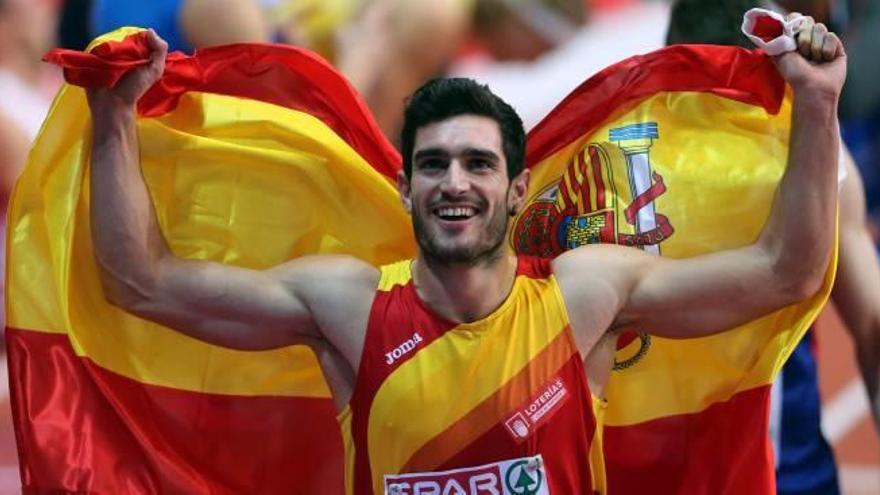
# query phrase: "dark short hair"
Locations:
[[441, 99], [714, 22]]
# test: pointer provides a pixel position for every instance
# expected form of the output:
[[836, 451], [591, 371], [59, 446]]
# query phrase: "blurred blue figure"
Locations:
[[859, 21], [804, 460], [161, 15], [185, 24]]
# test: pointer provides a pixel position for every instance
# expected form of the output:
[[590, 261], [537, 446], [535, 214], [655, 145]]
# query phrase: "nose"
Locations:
[[455, 181]]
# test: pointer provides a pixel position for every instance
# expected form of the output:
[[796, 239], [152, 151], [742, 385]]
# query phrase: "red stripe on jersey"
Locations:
[[542, 368], [564, 442]]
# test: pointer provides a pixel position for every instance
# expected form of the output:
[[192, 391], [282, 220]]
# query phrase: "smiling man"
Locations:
[[462, 368]]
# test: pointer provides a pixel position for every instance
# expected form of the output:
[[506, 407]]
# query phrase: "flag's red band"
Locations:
[[288, 76], [83, 429], [723, 449], [732, 72]]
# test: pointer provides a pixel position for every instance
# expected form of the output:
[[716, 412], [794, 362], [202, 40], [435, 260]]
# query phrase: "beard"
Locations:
[[487, 248]]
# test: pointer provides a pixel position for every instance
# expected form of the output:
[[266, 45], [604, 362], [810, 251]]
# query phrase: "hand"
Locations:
[[818, 64], [133, 85]]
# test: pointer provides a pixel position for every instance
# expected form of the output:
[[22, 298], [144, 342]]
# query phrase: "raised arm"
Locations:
[[786, 264], [221, 304]]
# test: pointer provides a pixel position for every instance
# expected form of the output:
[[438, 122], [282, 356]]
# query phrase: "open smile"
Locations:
[[455, 213]]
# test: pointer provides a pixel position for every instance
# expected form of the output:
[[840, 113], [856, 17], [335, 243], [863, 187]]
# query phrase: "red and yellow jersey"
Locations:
[[499, 405]]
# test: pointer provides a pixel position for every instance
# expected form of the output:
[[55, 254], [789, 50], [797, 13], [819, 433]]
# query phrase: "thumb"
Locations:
[[789, 63]]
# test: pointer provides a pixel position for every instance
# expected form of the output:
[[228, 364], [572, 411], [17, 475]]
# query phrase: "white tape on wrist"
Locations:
[[770, 31]]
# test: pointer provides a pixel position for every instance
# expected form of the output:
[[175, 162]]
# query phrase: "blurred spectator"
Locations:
[[388, 48], [860, 102], [696, 22], [858, 21], [621, 29], [393, 46], [27, 31], [185, 24], [314, 24], [523, 31], [73, 29], [805, 462]]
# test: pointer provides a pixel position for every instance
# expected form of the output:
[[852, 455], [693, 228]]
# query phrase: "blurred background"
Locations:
[[530, 52]]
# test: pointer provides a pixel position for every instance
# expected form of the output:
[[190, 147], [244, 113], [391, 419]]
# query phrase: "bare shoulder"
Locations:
[[312, 276], [593, 272], [594, 281], [339, 292], [602, 260]]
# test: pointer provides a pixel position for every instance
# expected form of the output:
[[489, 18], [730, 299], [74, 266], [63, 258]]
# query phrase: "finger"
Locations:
[[152, 40], [829, 48], [158, 52], [156, 44], [804, 37], [836, 47], [792, 15], [819, 33], [787, 62]]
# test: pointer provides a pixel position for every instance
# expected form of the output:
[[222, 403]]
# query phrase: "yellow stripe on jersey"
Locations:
[[398, 273], [462, 368]]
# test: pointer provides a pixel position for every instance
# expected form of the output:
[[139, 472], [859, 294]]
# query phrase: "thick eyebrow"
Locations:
[[469, 152], [481, 153], [430, 153]]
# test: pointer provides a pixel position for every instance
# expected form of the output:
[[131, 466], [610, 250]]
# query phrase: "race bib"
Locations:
[[523, 476]]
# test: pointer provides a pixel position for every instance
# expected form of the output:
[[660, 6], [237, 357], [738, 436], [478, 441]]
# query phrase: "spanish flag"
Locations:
[[256, 154], [679, 153], [253, 154]]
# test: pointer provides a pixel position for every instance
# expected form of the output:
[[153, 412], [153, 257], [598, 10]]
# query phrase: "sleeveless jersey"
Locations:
[[497, 406]]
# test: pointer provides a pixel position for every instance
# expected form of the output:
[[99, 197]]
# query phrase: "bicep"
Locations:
[[227, 305], [681, 298], [610, 287]]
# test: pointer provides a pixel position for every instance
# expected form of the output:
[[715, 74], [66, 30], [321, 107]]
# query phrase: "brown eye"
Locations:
[[432, 164], [480, 165]]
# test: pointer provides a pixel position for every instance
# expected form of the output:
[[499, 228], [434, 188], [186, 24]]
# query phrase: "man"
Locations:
[[431, 360], [804, 460]]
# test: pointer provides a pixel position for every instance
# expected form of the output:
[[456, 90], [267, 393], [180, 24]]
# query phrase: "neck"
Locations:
[[465, 293]]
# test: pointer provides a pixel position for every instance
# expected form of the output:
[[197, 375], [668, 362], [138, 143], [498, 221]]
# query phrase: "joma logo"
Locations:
[[402, 349]]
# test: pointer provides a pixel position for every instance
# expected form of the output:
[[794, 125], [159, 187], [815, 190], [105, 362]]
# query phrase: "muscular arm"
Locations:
[[711, 293], [221, 304], [706, 294], [857, 287]]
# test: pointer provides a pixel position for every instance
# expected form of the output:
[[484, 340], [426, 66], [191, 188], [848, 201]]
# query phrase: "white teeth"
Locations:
[[456, 212]]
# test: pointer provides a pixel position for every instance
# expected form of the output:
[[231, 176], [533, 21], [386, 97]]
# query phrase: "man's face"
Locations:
[[459, 193]]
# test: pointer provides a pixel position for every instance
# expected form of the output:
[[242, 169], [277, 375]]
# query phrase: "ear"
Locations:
[[404, 190], [517, 195]]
